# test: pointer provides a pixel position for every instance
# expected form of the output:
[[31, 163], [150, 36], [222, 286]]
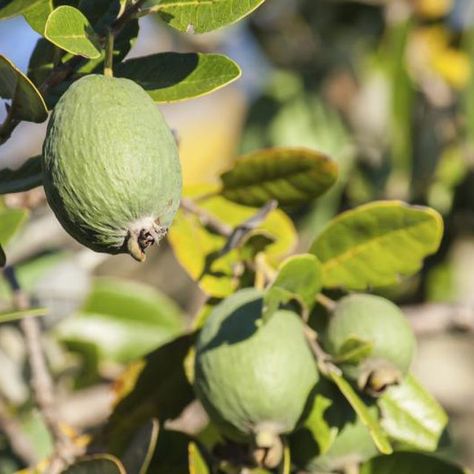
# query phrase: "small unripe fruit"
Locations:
[[253, 378], [110, 166], [381, 323]]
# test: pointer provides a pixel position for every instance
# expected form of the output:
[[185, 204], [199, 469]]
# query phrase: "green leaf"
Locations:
[[411, 416], [372, 245], [197, 463], [11, 8], [27, 103], [375, 430], [38, 14], [137, 457], [289, 175], [10, 221], [171, 77], [201, 16], [124, 319], [300, 278], [96, 464], [9, 316], [159, 388], [410, 463], [353, 351], [27, 176], [197, 248], [69, 29]]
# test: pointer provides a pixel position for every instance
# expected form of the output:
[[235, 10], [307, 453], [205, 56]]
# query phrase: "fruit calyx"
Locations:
[[267, 449], [142, 235], [378, 375]]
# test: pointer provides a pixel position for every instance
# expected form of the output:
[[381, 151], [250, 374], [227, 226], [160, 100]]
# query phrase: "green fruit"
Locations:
[[380, 323], [253, 379], [110, 165], [346, 439]]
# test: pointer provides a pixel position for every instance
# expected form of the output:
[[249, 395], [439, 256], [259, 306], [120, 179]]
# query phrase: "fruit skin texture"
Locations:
[[379, 321], [110, 164], [253, 380]]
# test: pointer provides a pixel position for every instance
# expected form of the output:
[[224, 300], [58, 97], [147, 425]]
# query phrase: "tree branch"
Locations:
[[19, 443], [41, 382]]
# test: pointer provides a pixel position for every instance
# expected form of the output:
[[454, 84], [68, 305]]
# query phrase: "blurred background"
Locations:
[[386, 88]]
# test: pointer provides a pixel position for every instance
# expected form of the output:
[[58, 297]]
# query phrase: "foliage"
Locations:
[[341, 226]]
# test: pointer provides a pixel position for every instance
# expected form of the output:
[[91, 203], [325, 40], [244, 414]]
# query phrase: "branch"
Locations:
[[206, 218], [41, 382], [17, 440], [323, 359]]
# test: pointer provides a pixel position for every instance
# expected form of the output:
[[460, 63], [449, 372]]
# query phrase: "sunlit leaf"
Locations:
[[197, 463], [201, 16], [11, 8], [69, 29], [299, 277], [171, 77], [411, 416], [289, 175], [198, 249], [374, 244], [38, 14]]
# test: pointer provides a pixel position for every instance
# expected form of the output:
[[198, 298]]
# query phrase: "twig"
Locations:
[[323, 359], [19, 443], [206, 218], [41, 382], [325, 301]]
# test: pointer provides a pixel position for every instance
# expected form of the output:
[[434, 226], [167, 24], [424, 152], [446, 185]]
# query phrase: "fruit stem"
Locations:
[[109, 54]]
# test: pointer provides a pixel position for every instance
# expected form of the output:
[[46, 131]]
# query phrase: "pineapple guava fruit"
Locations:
[[110, 166]]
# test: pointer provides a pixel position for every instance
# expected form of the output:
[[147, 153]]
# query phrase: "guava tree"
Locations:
[[298, 367]]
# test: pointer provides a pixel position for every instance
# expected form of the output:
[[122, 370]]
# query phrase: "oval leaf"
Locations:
[[24, 178], [411, 416], [289, 175], [124, 319], [300, 278], [375, 430], [69, 29], [409, 463], [137, 457], [11, 8], [27, 103], [38, 14], [97, 464], [372, 245], [200, 16], [171, 77]]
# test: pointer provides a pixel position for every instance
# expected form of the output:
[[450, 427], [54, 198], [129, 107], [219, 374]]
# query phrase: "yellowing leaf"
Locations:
[[197, 248]]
